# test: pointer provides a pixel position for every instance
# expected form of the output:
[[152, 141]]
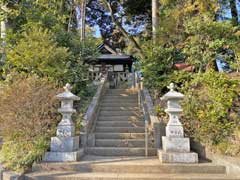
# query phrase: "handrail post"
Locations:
[[145, 116], [146, 138], [139, 93]]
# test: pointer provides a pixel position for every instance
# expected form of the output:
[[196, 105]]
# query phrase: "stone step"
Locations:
[[120, 124], [128, 91], [120, 167], [120, 108], [123, 143], [117, 98], [61, 175], [120, 118], [121, 95], [120, 129], [129, 165], [122, 101], [119, 151], [119, 135], [119, 104], [119, 113], [121, 91]]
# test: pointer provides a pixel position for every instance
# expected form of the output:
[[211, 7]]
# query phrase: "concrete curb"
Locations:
[[232, 163], [9, 175]]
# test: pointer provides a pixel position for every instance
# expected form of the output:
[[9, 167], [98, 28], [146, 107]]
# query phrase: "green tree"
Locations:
[[37, 53], [191, 28], [206, 39], [234, 11], [155, 19]]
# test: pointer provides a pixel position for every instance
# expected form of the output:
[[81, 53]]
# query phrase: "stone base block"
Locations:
[[64, 144], [174, 157], [175, 144], [63, 156]]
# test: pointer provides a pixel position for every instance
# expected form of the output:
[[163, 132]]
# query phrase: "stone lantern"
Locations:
[[65, 146], [175, 147]]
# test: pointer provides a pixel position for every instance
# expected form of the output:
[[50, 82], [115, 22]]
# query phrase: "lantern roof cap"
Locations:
[[172, 94], [67, 95]]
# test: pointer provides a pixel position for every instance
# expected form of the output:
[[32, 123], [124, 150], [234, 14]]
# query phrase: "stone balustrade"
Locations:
[[90, 117]]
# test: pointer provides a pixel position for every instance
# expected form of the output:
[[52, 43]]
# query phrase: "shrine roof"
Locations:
[[110, 59], [109, 56], [113, 56]]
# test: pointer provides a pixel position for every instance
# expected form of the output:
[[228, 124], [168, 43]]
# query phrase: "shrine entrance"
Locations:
[[118, 67]]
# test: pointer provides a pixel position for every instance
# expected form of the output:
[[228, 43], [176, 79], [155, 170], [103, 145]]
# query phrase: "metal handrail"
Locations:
[[141, 101]]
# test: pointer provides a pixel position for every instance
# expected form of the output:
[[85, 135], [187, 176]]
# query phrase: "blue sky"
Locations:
[[226, 11], [97, 32]]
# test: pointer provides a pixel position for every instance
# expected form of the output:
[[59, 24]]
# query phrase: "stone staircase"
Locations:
[[120, 127], [127, 168], [119, 151]]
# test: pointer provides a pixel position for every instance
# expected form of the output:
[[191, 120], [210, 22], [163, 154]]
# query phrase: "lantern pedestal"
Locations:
[[175, 147]]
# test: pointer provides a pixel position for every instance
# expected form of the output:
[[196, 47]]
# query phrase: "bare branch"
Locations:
[[123, 31]]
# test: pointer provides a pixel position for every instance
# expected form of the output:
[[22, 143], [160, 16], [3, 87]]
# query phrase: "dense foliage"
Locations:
[[44, 52], [37, 53], [211, 111], [189, 33], [28, 116]]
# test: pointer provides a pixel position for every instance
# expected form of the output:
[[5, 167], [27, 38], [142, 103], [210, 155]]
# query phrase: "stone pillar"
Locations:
[[65, 146], [175, 147], [137, 82], [129, 77]]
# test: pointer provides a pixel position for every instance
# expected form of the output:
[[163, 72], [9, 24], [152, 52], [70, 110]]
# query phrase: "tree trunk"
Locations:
[[155, 19], [234, 12], [3, 36], [70, 18], [83, 20], [123, 31], [3, 29]]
